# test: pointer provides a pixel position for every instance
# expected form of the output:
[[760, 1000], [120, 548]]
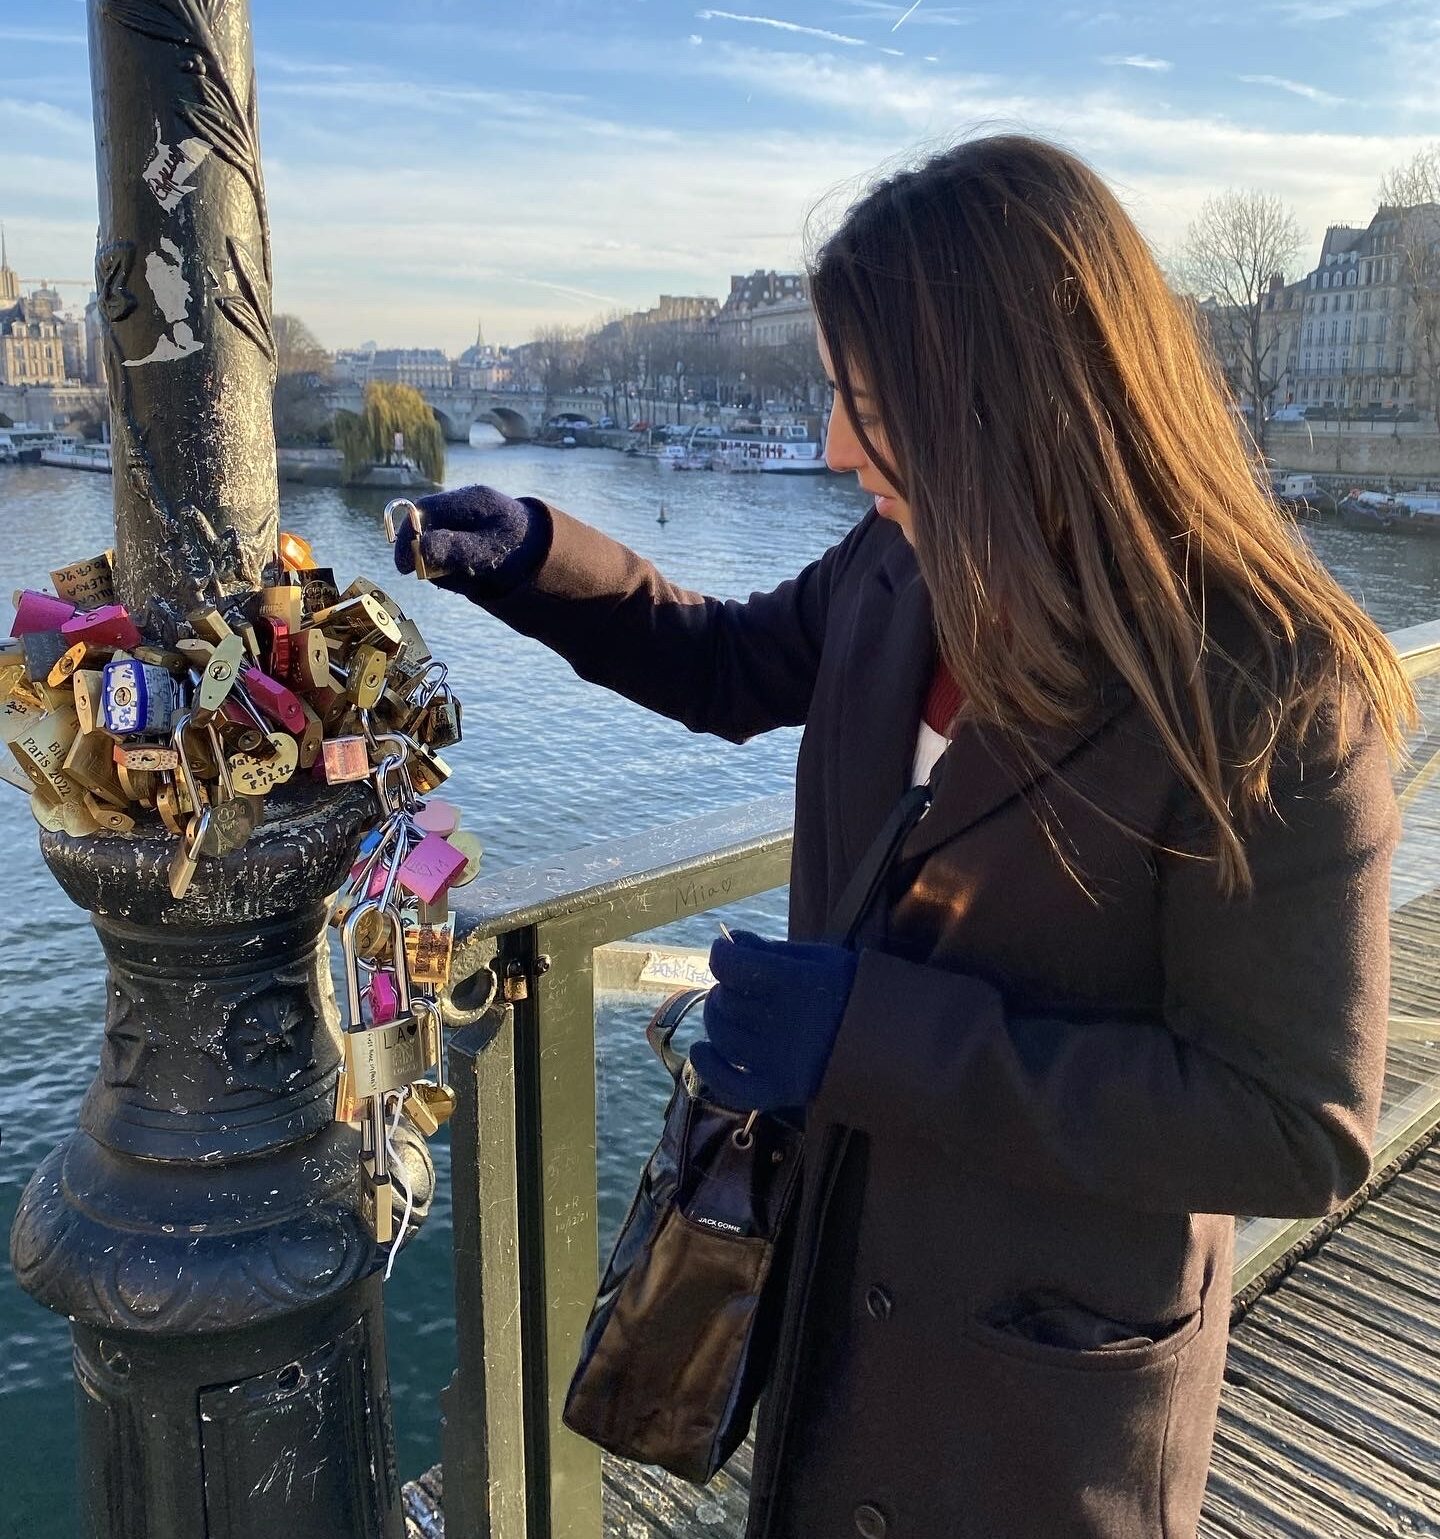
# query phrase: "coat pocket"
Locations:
[[1062, 1415], [1050, 1329]]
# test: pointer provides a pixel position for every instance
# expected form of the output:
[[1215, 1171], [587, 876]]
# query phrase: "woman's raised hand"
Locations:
[[485, 542]]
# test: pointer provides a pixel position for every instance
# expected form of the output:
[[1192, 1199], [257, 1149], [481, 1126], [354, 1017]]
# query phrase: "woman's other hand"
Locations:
[[486, 543], [771, 1020]]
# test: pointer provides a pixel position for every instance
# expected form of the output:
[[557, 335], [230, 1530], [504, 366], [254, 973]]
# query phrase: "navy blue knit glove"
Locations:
[[771, 1020], [486, 543]]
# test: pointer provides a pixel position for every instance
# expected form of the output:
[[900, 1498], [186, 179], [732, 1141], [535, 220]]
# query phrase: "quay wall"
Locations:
[[1358, 453]]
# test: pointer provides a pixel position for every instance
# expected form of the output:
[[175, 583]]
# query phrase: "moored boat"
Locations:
[[1303, 496], [76, 454], [1414, 514], [24, 442], [793, 446]]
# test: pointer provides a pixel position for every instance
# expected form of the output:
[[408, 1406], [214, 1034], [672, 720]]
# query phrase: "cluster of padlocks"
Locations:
[[108, 732]]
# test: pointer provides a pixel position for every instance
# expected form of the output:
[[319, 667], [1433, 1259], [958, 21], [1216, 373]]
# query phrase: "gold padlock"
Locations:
[[429, 1105]]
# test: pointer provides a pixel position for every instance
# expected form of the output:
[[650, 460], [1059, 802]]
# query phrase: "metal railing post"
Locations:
[[524, 1153]]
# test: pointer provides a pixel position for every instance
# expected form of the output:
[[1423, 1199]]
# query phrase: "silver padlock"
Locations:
[[402, 507]]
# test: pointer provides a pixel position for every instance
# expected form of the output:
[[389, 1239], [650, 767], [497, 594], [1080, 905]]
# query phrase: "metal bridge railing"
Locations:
[[523, 1150]]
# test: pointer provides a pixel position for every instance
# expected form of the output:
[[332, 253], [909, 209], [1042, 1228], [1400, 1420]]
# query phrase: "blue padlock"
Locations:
[[137, 698]]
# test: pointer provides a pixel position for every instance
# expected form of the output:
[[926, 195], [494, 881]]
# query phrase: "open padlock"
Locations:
[[402, 507]]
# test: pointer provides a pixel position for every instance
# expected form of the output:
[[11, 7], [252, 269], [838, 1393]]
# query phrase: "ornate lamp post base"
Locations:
[[202, 1226]]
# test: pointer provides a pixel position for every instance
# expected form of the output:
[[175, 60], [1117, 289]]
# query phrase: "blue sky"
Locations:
[[432, 163]]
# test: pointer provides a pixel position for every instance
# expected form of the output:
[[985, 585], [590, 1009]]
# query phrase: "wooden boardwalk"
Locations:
[[1330, 1419]]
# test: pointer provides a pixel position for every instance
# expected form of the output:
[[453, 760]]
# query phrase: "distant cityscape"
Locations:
[[1342, 334]]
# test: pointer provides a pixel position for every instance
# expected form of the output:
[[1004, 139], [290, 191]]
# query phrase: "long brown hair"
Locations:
[[1077, 479]]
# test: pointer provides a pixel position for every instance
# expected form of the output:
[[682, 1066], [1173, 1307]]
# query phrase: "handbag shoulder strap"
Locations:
[[865, 881]]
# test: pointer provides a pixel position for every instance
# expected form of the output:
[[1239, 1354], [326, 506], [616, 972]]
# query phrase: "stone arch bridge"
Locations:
[[517, 415]]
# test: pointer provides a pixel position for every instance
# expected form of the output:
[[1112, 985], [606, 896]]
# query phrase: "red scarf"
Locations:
[[942, 700]]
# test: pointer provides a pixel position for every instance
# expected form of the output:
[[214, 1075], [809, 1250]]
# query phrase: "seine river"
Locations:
[[548, 764]]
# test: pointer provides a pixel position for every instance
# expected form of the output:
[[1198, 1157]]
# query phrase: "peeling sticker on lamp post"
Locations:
[[163, 272], [169, 172]]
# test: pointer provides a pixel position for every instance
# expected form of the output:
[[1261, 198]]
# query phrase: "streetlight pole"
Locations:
[[202, 1227]]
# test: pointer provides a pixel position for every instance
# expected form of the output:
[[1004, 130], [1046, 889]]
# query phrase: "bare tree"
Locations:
[[302, 373], [1239, 242], [554, 355], [1412, 193]]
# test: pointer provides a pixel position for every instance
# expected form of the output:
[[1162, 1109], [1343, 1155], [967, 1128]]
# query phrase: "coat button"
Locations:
[[870, 1522], [878, 1304]]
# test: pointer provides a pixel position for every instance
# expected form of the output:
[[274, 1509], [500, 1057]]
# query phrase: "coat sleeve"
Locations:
[[1256, 1088], [731, 667]]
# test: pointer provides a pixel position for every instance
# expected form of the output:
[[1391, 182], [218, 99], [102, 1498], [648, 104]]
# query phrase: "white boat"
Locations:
[[779, 448], [785, 447], [683, 456], [24, 442], [76, 454]]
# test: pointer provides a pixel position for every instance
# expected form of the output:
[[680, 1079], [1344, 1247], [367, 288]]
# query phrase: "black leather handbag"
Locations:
[[682, 1335]]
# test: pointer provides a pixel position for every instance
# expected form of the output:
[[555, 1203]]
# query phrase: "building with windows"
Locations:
[[765, 309], [1356, 347], [426, 368], [39, 343], [482, 367], [1228, 328]]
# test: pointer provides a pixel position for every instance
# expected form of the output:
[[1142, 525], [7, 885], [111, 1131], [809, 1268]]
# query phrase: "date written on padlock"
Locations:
[[387, 1057], [254, 776], [88, 584]]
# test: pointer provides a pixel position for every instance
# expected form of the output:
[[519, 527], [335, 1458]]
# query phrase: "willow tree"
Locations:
[[394, 422]]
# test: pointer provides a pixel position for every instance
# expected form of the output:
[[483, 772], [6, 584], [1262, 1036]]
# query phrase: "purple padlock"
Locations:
[[384, 998], [431, 867], [39, 612]]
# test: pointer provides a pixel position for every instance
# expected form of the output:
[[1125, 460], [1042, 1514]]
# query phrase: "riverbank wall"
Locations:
[[1406, 459]]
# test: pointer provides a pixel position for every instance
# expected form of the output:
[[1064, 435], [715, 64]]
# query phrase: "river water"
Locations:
[[548, 764]]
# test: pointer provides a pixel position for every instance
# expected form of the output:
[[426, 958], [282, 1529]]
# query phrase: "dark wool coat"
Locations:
[[1009, 1305]]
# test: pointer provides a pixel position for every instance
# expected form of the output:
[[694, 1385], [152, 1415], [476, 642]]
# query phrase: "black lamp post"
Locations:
[[201, 1227]]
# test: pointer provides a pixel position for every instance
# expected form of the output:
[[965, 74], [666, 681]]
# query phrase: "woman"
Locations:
[[1132, 976]]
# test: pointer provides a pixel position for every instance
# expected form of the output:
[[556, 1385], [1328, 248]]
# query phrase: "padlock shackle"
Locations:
[[412, 515], [187, 770], [352, 957]]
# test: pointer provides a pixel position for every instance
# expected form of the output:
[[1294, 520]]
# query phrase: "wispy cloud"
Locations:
[[43, 36], [1327, 10], [783, 26], [47, 118], [1138, 61], [289, 66], [1294, 87]]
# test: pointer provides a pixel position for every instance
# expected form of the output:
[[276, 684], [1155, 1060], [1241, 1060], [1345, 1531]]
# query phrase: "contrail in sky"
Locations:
[[906, 17]]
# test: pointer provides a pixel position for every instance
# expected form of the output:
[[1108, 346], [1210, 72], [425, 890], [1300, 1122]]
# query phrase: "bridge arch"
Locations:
[[514, 426]]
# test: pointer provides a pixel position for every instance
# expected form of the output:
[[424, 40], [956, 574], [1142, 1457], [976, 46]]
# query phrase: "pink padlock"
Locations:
[[430, 867], [272, 699], [437, 817], [39, 612], [107, 627], [384, 998]]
